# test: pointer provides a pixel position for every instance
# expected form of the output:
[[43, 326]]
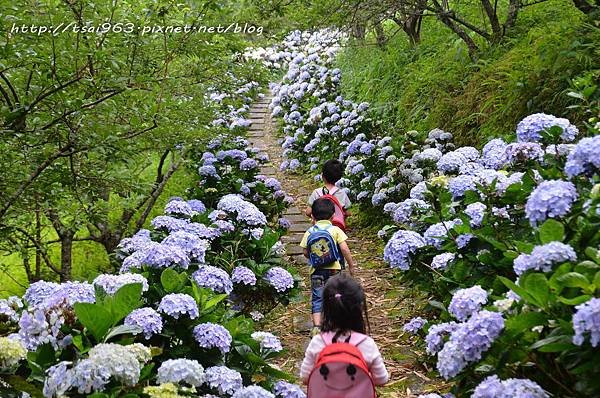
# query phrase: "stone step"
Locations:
[[298, 218], [294, 250], [299, 228], [292, 211], [267, 170], [294, 238], [299, 258]]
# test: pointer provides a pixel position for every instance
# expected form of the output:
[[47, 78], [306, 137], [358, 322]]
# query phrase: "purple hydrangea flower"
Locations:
[[419, 190], [451, 162], [157, 255], [246, 212], [458, 186], [400, 247], [463, 240], [414, 325], [58, 381], [211, 335], [280, 279], [39, 291], [232, 153], [403, 212], [530, 128], [243, 275], [273, 184], [69, 293], [213, 278], [179, 207], [268, 341], [470, 168], [435, 336], [476, 212], [209, 171], [193, 246], [284, 223], [441, 261], [436, 233], [252, 392], [168, 223], [550, 199], [465, 302], [136, 242], [176, 304], [544, 257], [283, 389], [147, 319], [524, 151], [584, 158], [180, 370], [494, 154], [493, 387], [223, 379], [468, 342], [111, 283], [294, 164], [248, 164], [586, 320], [197, 206]]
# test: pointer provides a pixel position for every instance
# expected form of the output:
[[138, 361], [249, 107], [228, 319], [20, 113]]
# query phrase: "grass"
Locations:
[[436, 84]]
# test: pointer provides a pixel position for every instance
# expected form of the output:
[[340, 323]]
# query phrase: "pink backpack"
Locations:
[[339, 217], [341, 370]]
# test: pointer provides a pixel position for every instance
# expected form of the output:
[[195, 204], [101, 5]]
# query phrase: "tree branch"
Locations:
[[10, 87]]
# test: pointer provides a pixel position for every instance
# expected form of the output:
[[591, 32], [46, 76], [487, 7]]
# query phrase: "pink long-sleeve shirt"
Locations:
[[367, 347]]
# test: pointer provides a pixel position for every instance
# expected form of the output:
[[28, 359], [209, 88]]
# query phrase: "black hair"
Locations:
[[322, 209], [332, 171], [344, 306]]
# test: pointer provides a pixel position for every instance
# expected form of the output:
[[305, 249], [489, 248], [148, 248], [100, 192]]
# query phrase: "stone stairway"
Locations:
[[260, 137]]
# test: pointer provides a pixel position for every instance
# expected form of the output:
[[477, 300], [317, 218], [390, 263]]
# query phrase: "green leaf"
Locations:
[[214, 301], [551, 231], [574, 279], [536, 285], [122, 329], [95, 318], [525, 321], [575, 300], [172, 281], [517, 289], [125, 300], [553, 344]]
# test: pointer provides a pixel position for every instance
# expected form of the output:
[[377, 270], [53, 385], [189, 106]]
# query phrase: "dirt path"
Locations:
[[390, 306]]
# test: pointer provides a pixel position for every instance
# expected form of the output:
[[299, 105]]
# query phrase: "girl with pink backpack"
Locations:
[[331, 173], [343, 361]]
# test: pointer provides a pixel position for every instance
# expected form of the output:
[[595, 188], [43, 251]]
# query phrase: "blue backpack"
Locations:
[[322, 248]]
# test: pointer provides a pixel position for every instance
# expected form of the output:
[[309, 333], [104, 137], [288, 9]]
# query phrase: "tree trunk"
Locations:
[[493, 18], [380, 35], [66, 255], [511, 15], [471, 45], [358, 30]]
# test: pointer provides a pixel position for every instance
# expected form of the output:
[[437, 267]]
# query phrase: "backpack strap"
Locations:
[[354, 338]]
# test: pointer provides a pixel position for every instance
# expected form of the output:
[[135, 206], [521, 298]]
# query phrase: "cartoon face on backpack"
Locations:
[[320, 248]]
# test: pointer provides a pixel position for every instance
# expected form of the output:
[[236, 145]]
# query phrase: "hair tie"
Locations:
[[338, 295]]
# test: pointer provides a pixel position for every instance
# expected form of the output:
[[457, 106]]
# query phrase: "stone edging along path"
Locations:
[[390, 306]]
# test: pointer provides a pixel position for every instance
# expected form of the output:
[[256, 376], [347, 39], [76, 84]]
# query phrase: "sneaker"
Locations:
[[315, 331]]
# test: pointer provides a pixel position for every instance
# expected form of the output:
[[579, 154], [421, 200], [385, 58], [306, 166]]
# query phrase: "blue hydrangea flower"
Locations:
[[211, 335], [111, 283], [524, 151], [584, 158], [246, 212], [193, 246], [284, 223], [181, 370], [197, 206], [441, 261], [403, 212], [470, 168], [38, 292], [586, 321], [469, 152], [458, 186], [451, 162], [157, 255], [213, 278], [179, 207], [273, 184], [552, 199], [400, 247], [283, 389], [136, 242], [468, 342], [252, 392], [243, 275], [176, 304], [168, 223], [494, 154], [280, 279], [9, 308], [358, 168], [209, 171], [235, 154], [147, 319], [268, 341], [414, 325], [531, 127], [294, 164], [223, 379], [248, 164], [463, 240], [58, 381], [437, 233], [465, 302], [544, 257], [69, 293], [493, 387], [367, 148], [435, 336], [428, 155], [476, 212], [419, 190], [38, 327], [378, 198]]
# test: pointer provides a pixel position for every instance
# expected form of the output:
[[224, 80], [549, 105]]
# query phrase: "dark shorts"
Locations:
[[317, 284]]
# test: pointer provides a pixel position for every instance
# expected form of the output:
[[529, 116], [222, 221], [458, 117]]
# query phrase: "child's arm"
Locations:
[[308, 211], [305, 251], [310, 357], [347, 256]]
